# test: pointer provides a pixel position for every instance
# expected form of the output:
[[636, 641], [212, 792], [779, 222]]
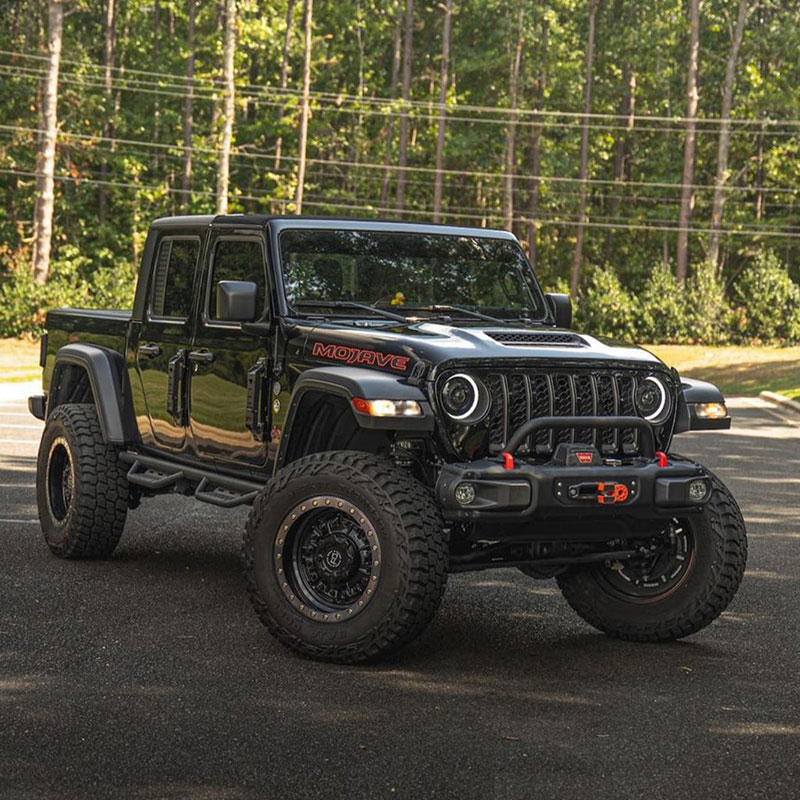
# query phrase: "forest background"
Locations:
[[645, 153]]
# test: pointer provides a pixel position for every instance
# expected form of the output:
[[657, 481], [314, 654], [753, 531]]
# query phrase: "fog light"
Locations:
[[711, 410], [465, 493], [698, 491]]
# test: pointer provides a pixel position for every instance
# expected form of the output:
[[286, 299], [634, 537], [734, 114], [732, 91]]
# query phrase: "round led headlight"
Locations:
[[464, 398], [652, 400]]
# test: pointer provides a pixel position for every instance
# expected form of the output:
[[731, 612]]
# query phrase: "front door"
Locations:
[[226, 419], [163, 341]]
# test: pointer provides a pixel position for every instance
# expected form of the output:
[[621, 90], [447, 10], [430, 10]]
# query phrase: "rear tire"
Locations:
[[704, 581], [345, 557], [81, 488]]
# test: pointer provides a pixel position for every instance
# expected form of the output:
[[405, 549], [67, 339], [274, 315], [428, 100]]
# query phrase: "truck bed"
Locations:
[[104, 327]]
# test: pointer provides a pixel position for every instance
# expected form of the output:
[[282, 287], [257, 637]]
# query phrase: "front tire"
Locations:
[[660, 601], [345, 557], [81, 488]]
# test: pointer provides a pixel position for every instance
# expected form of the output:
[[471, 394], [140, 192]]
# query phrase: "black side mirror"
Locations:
[[236, 301], [560, 308]]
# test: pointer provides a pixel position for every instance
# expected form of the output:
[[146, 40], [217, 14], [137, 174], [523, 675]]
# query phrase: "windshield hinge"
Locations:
[[418, 373]]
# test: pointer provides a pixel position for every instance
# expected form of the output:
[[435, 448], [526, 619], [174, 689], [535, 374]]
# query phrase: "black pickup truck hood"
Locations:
[[397, 348]]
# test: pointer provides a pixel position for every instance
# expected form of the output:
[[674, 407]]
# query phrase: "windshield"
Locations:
[[340, 271]]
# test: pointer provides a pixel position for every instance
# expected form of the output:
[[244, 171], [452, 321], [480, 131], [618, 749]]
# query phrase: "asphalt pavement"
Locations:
[[149, 676]]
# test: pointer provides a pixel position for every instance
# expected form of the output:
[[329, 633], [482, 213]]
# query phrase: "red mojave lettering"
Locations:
[[355, 355]]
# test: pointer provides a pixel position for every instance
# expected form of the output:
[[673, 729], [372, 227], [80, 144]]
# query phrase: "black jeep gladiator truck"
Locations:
[[396, 401]]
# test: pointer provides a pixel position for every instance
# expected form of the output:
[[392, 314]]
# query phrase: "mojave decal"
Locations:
[[355, 355]]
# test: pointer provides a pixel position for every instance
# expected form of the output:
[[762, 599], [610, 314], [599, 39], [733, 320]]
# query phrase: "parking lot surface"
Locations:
[[149, 676]]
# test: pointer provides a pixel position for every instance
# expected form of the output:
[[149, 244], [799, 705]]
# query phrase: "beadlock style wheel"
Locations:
[[657, 571], [60, 480], [328, 558], [345, 556]]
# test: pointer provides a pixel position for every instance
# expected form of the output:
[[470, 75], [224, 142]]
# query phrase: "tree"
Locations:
[[109, 46], [188, 113], [223, 173], [387, 157], [537, 127], [46, 156], [306, 107], [284, 82], [437, 187], [690, 143], [724, 143], [402, 155], [575, 272], [510, 160]]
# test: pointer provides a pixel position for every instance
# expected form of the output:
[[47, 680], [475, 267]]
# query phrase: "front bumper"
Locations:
[[640, 489]]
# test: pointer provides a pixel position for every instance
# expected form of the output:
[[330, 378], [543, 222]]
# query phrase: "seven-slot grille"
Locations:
[[520, 395]]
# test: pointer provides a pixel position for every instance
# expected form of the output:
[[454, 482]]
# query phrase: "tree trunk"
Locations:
[[287, 41], [760, 175], [510, 161], [690, 142], [216, 106], [156, 62], [402, 155], [46, 157], [724, 143], [622, 150], [305, 112], [443, 72], [536, 150], [223, 172], [387, 159], [575, 272], [109, 47], [188, 120]]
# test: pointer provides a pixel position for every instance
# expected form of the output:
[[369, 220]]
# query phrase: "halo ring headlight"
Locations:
[[653, 400], [464, 399]]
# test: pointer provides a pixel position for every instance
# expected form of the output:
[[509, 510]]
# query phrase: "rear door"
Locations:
[[224, 361], [164, 338]]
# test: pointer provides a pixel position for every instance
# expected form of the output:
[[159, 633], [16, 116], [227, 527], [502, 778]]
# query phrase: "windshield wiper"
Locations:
[[351, 304], [468, 311]]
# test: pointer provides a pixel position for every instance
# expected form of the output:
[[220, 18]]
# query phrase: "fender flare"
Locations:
[[350, 382], [108, 380], [694, 391]]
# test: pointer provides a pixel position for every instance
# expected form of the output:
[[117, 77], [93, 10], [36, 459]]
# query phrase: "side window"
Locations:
[[174, 274], [237, 260]]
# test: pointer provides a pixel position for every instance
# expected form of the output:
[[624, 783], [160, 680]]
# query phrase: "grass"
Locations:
[[736, 370], [19, 360]]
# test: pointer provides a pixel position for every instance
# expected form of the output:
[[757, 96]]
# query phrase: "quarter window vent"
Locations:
[[522, 338]]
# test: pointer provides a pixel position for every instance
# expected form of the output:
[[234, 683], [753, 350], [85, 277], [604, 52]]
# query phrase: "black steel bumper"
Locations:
[[514, 489]]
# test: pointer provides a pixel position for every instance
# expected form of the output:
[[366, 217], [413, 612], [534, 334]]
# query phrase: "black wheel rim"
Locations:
[[662, 566], [327, 558], [60, 480]]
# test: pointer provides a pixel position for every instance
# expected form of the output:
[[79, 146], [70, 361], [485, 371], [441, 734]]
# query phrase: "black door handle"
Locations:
[[201, 356], [149, 350]]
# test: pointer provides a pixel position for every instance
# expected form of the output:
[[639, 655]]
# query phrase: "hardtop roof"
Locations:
[[293, 220]]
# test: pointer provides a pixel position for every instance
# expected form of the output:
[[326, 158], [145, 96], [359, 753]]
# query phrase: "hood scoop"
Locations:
[[539, 338]]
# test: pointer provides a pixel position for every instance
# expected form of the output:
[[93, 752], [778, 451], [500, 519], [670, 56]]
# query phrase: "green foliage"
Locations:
[[664, 314], [605, 308], [634, 172], [72, 282], [766, 301], [708, 314]]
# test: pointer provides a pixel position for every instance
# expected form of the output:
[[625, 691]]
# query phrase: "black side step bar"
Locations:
[[157, 474]]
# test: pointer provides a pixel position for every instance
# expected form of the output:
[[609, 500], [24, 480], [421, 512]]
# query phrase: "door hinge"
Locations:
[[255, 415], [176, 388]]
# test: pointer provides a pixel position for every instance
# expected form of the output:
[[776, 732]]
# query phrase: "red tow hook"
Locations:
[[508, 460], [662, 458]]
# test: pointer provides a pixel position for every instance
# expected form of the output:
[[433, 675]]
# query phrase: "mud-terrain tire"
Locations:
[[81, 488], [365, 557], [719, 555]]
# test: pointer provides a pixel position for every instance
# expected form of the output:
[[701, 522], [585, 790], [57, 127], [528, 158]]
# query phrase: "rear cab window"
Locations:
[[173, 278]]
